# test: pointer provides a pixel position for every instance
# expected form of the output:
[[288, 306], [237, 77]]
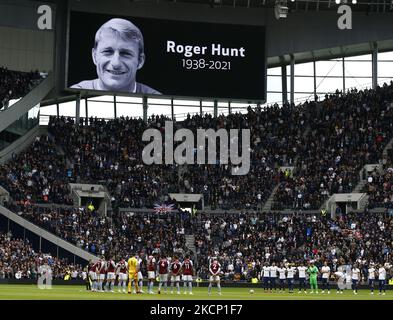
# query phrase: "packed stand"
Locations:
[[327, 142], [245, 242], [347, 131], [379, 186], [242, 242], [15, 85], [109, 152], [18, 260], [116, 236], [37, 175], [274, 140]]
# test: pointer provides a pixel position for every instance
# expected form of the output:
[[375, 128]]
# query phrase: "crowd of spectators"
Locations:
[[245, 242], [273, 143], [18, 260], [379, 186], [37, 175], [326, 142], [117, 236], [110, 152], [15, 85], [347, 131]]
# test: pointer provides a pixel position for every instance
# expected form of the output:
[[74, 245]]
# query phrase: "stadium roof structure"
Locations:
[[368, 6], [331, 53]]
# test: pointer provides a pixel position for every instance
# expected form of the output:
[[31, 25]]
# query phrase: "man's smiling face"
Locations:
[[117, 61]]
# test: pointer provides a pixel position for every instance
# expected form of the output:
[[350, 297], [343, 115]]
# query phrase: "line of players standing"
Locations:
[[103, 274], [347, 277]]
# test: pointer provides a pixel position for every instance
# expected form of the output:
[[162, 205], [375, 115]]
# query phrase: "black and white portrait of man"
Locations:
[[118, 54]]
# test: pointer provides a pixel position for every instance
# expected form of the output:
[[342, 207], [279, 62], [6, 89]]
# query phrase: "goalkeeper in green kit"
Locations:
[[313, 273]]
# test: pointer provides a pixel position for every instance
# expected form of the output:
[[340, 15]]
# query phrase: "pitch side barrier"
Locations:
[[207, 211], [225, 212], [203, 284]]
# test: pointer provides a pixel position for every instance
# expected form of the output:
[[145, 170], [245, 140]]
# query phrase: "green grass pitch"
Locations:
[[32, 292]]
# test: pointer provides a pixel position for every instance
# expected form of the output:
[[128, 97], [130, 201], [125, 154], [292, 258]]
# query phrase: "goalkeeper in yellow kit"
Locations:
[[133, 269]]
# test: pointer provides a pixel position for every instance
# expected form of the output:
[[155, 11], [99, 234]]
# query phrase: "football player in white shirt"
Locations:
[[382, 279], [371, 277], [302, 278], [355, 278], [273, 276], [325, 277], [266, 276], [291, 270], [281, 276], [340, 277], [139, 258]]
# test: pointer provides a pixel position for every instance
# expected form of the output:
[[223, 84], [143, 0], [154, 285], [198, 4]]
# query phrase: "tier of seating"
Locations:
[[18, 260], [15, 85], [327, 142]]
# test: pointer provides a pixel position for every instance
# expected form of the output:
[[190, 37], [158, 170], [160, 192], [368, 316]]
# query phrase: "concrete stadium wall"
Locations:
[[300, 31], [23, 47], [26, 50]]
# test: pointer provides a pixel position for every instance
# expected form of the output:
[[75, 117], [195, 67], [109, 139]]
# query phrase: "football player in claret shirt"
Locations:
[[151, 273], [121, 270], [175, 274], [163, 269], [187, 270], [110, 275], [214, 270], [101, 270]]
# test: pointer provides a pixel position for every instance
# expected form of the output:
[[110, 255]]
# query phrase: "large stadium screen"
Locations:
[[149, 56]]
